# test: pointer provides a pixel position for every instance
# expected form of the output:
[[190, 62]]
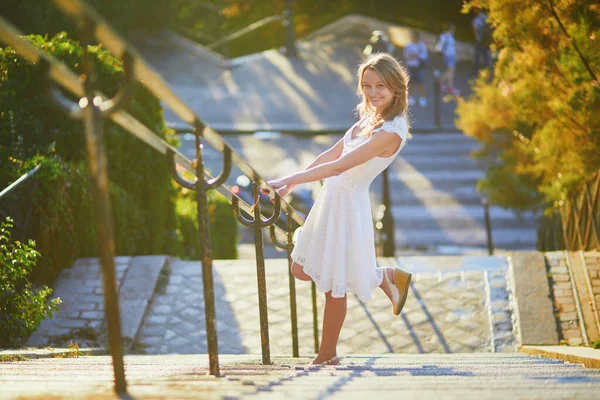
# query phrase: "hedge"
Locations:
[[31, 132]]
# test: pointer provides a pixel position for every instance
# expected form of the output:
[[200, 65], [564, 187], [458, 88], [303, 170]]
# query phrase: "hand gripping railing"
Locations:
[[92, 107]]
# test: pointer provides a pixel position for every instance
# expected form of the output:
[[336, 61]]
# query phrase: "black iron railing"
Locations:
[[575, 224], [14, 203], [92, 108]]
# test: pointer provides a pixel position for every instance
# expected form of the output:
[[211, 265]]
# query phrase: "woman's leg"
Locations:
[[333, 319], [298, 272]]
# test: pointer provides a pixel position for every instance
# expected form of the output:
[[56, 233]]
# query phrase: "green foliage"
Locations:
[[12, 357], [222, 225], [22, 308], [32, 132], [595, 344], [43, 17], [142, 192], [537, 116]]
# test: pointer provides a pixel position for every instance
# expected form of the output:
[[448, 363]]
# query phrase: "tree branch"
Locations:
[[560, 24]]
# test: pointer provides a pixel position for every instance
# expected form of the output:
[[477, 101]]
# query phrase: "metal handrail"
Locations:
[[92, 107], [253, 26], [78, 10], [19, 181], [15, 208]]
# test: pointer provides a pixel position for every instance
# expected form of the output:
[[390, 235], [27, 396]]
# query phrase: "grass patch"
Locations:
[[12, 358], [72, 353], [595, 344]]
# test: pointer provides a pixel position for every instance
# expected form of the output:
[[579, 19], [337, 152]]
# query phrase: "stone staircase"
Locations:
[[392, 376], [433, 185], [436, 204]]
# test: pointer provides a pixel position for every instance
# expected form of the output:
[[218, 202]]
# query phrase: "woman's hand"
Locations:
[[277, 183], [284, 190], [280, 186]]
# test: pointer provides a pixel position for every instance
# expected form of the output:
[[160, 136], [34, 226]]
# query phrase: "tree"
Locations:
[[537, 117]]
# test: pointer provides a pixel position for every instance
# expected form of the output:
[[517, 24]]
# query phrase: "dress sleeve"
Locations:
[[397, 125]]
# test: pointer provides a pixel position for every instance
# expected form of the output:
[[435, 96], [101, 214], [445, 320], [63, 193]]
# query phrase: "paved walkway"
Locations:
[[456, 305], [268, 91], [456, 376]]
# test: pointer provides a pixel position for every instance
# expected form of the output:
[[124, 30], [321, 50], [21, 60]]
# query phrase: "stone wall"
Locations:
[[592, 260], [564, 301]]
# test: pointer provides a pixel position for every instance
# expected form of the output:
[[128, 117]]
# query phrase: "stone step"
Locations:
[[446, 224], [502, 238], [453, 164], [81, 316], [463, 194], [439, 178], [458, 212], [441, 146], [361, 375]]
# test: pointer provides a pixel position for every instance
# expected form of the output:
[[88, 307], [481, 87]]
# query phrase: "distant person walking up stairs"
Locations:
[[415, 58], [379, 43], [483, 39], [446, 45]]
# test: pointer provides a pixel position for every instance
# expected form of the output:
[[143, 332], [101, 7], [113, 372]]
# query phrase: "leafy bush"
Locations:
[[22, 308], [222, 225], [43, 17], [31, 132], [538, 115]]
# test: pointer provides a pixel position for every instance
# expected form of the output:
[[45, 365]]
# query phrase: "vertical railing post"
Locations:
[[290, 37], [205, 246], [261, 279], [488, 225], [97, 163], [258, 223], [313, 295], [292, 284], [437, 94], [289, 247], [387, 219]]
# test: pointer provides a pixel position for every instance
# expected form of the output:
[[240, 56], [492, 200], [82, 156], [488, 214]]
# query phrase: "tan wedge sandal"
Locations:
[[399, 288]]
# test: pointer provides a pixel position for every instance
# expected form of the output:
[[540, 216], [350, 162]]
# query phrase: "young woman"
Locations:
[[335, 248]]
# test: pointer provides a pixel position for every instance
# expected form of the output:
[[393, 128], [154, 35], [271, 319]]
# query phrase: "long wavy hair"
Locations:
[[395, 77]]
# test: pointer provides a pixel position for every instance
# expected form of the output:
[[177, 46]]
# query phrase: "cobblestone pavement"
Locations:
[[456, 376], [82, 310], [451, 309]]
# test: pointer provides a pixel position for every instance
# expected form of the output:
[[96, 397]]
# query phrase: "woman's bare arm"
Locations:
[[329, 155], [376, 146]]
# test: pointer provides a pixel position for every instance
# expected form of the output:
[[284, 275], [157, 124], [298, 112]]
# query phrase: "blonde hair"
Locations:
[[395, 78]]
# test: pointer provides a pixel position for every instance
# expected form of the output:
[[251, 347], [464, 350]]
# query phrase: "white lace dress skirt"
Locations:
[[336, 245]]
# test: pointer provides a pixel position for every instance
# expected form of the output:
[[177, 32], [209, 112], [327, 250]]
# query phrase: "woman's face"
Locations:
[[375, 90]]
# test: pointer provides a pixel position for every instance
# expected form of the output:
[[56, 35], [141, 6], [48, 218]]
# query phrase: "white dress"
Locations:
[[336, 245]]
